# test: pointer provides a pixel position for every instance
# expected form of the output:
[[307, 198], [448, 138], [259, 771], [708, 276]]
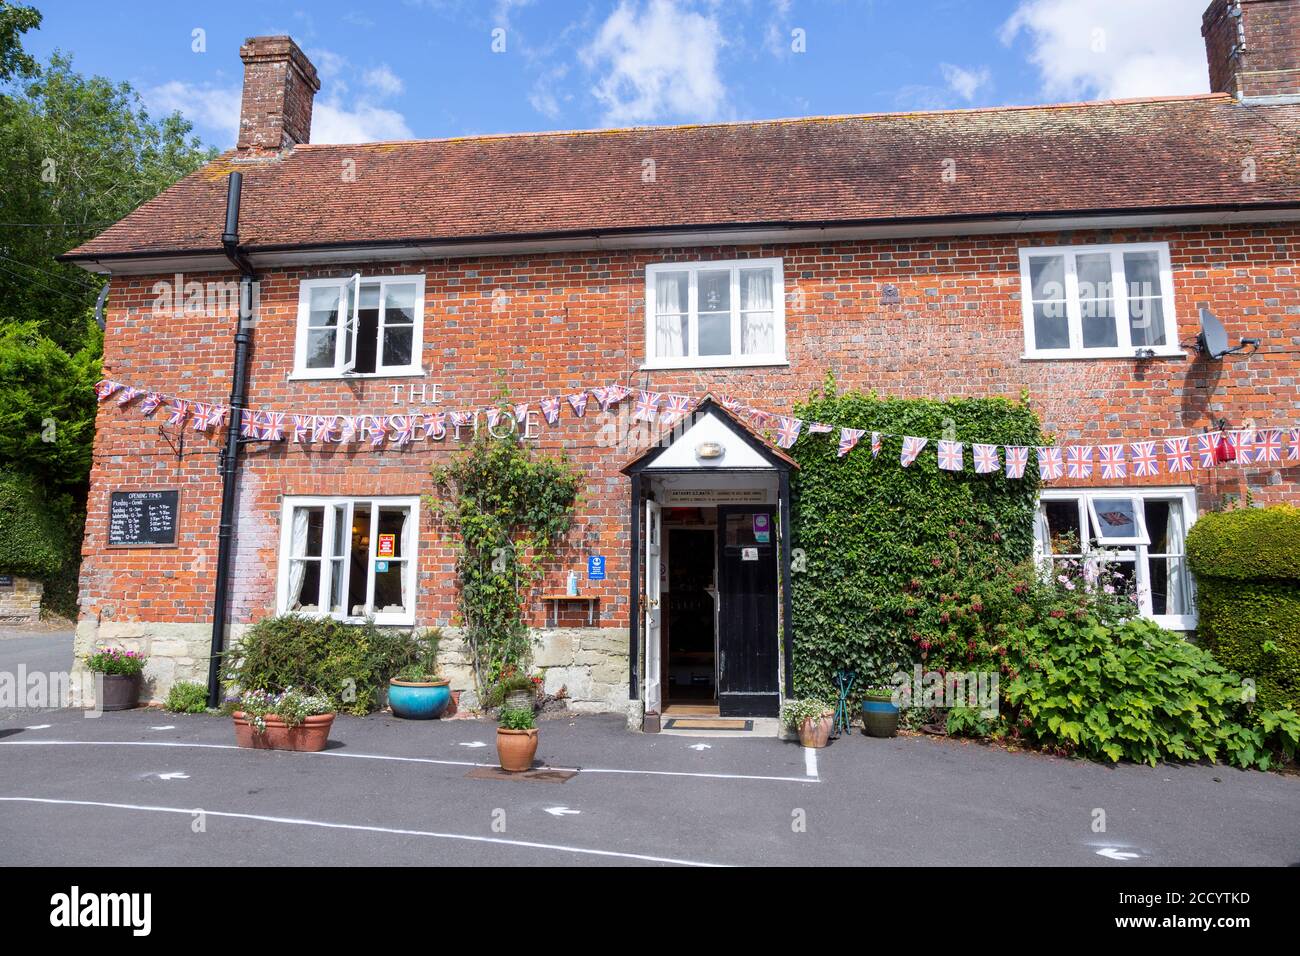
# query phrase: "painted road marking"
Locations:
[[474, 743], [701, 746], [1114, 853], [164, 727], [810, 761], [39, 727], [561, 811], [429, 760], [326, 825], [174, 775]]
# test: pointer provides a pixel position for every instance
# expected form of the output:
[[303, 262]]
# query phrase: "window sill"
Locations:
[[1175, 622], [1072, 354], [382, 620], [321, 375], [659, 365]]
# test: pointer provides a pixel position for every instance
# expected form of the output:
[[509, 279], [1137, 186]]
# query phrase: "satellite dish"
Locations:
[[1213, 340]]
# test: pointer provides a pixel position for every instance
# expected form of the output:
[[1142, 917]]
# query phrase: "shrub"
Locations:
[[879, 541], [33, 533], [1247, 567], [349, 664], [187, 697], [795, 712], [111, 660]]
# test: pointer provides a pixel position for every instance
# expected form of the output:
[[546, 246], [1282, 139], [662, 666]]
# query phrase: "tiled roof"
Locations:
[[1184, 152]]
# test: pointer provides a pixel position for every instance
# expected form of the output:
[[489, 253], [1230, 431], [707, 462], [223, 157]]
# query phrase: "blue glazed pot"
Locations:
[[879, 717], [418, 700]]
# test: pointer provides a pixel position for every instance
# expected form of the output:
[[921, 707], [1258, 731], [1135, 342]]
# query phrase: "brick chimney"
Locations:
[[1254, 48], [279, 86]]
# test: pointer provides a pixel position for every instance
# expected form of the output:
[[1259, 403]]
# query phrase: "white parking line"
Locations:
[[429, 760], [810, 761], [294, 821]]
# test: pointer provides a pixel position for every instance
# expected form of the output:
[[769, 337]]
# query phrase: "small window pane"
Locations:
[[370, 295], [1116, 518], [397, 345], [1051, 326], [1063, 529], [672, 292], [389, 598], [756, 289], [1047, 277], [1094, 275], [320, 348], [1142, 274], [671, 335], [336, 587], [305, 575], [399, 304], [715, 334], [1146, 319], [1098, 317], [324, 308], [715, 291], [757, 333], [392, 521], [308, 531]]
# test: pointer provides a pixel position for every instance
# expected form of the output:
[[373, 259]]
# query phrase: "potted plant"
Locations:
[[417, 692], [516, 739], [879, 711], [292, 720], [812, 718], [515, 692], [121, 672]]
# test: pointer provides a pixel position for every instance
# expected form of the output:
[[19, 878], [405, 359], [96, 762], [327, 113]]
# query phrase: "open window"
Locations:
[[359, 326], [1117, 520]]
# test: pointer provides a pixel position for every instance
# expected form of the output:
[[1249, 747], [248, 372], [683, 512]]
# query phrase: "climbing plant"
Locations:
[[508, 508]]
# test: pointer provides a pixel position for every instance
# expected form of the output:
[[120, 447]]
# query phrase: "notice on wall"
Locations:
[[714, 496], [143, 519], [386, 547]]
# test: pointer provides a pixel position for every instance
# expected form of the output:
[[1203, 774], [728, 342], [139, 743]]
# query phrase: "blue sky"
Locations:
[[398, 69]]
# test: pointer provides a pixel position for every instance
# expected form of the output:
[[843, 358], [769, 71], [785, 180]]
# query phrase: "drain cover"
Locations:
[[543, 775]]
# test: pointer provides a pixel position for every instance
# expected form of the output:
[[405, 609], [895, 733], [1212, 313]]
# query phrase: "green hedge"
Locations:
[[32, 534], [868, 532], [1247, 567]]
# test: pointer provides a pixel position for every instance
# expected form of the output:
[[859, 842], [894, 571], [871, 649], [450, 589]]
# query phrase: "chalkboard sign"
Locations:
[[143, 519]]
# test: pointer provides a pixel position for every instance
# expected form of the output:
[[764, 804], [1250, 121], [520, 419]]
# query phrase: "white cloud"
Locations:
[[656, 61], [965, 83], [383, 81], [1113, 48], [210, 108], [547, 94], [363, 122]]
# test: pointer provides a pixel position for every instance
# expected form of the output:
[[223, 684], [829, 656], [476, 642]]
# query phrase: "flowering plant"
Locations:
[[113, 660], [291, 706]]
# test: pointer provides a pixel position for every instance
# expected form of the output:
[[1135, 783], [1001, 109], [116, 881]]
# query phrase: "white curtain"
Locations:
[[759, 319], [1176, 600], [297, 547], [408, 530], [668, 321]]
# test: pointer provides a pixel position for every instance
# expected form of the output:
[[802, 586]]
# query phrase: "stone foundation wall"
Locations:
[[176, 652], [21, 603]]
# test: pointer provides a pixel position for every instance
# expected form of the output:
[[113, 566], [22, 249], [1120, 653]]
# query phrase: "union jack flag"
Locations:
[[787, 430], [273, 426], [647, 405], [875, 444], [248, 424], [1017, 460], [578, 402], [1144, 459], [349, 425], [217, 415], [608, 395], [986, 458], [493, 416], [1178, 457], [151, 403], [817, 428], [675, 407], [950, 455], [1113, 464], [1050, 465], [302, 425], [1268, 445], [460, 420], [521, 412], [759, 418], [129, 394], [435, 426], [616, 393], [377, 427], [106, 387], [848, 438], [1246, 441], [551, 409], [199, 411], [1078, 461], [911, 448], [177, 410], [1294, 453], [731, 403], [403, 429], [1206, 448], [323, 428]]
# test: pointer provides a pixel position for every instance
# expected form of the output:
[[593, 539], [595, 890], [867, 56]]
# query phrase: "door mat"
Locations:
[[707, 723], [541, 775]]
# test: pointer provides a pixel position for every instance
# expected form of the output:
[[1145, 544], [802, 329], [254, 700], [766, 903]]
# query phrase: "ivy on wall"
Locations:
[[868, 533]]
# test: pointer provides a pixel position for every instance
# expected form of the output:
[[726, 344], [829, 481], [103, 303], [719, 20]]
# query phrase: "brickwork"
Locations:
[[1269, 63]]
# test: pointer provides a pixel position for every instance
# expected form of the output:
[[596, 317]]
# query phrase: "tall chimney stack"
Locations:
[[279, 86], [1254, 48]]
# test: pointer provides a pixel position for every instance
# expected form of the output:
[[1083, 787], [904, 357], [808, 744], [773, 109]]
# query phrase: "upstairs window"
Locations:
[[1098, 301], [715, 314], [359, 326]]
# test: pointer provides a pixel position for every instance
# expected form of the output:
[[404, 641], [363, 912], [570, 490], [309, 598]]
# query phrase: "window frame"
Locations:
[[1124, 347], [329, 504], [736, 359], [1184, 495], [343, 368]]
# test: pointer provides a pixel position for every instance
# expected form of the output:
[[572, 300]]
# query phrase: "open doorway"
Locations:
[[691, 601]]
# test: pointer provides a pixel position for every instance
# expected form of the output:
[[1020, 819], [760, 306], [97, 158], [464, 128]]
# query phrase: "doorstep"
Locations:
[[714, 726]]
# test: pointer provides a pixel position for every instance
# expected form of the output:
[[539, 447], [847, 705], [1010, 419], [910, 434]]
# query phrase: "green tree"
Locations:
[[15, 20]]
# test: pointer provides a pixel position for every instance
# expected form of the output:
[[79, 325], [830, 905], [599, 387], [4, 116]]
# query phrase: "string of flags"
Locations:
[[1109, 462]]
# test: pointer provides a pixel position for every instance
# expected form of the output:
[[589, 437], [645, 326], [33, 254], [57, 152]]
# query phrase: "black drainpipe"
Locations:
[[230, 455]]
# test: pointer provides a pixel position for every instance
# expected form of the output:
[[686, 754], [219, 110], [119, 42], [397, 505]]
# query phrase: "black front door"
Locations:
[[747, 642]]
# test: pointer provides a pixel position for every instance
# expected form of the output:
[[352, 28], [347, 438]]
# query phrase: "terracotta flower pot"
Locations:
[[310, 736], [516, 748], [120, 692], [816, 731]]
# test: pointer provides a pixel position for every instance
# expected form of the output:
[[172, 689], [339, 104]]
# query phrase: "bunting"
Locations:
[[911, 448], [848, 438], [986, 458], [950, 455]]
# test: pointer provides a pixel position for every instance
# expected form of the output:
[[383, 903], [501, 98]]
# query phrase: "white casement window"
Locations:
[[349, 558], [1139, 533], [1098, 301], [715, 314], [358, 326]]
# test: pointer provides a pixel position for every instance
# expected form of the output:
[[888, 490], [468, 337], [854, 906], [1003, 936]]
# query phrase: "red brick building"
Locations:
[[1063, 251]]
